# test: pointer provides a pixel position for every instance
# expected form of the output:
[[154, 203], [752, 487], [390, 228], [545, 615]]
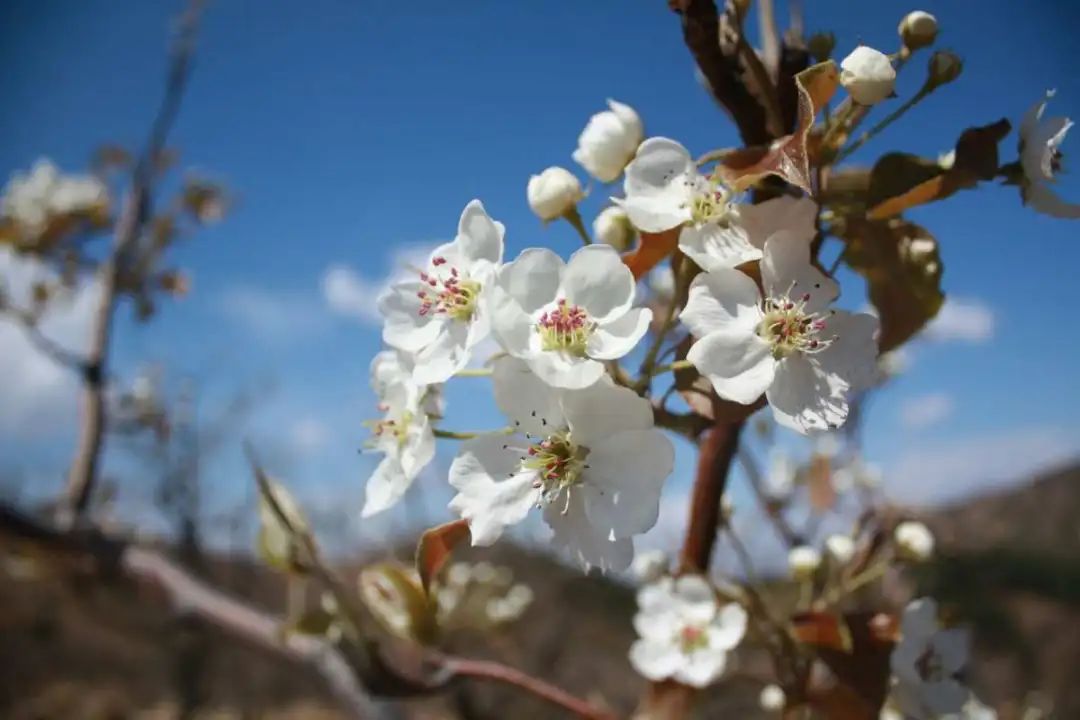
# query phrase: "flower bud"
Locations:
[[803, 562], [649, 566], [609, 141], [553, 193], [820, 45], [944, 67], [917, 30], [772, 698], [612, 226], [914, 541], [868, 75], [841, 547]]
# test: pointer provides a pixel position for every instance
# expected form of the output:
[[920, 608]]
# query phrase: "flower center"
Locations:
[[449, 292], [691, 638], [790, 328], [710, 203], [566, 328], [396, 429], [930, 666], [558, 461]]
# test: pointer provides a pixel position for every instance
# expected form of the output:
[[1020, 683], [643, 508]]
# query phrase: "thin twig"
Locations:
[[44, 343], [754, 479]]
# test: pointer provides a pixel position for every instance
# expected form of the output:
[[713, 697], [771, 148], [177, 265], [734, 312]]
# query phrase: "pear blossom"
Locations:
[[649, 566], [608, 141], [612, 227], [803, 562], [914, 540], [565, 319], [974, 709], [30, 201], [1040, 160], [772, 698], [788, 345], [840, 547], [868, 75], [685, 635], [927, 663], [590, 459], [918, 29], [553, 193], [443, 314], [403, 434]]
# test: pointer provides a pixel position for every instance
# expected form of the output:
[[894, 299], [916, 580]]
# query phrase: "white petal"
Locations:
[[851, 358], [1043, 199], [385, 487], [512, 326], [714, 247], [946, 696], [702, 667], [920, 621], [587, 544], [660, 624], [419, 447], [480, 237], [739, 364], [655, 660], [796, 216], [562, 370], [527, 401], [405, 328], [445, 355], [657, 185], [729, 627], [533, 278], [803, 399], [603, 410], [696, 599], [786, 270], [492, 493], [721, 300], [597, 279], [952, 646], [623, 481], [614, 339]]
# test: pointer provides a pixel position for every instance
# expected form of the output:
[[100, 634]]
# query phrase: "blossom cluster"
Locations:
[[31, 202]]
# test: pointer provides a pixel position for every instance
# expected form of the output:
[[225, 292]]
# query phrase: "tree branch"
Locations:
[[716, 453]]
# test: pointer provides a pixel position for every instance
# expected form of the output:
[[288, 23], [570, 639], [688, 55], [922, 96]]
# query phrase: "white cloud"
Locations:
[[38, 396], [962, 320], [273, 316], [926, 410], [308, 435], [931, 474], [346, 292]]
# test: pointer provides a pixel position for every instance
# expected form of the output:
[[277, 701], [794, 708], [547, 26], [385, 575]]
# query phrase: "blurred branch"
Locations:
[[136, 210], [717, 450], [753, 475], [41, 341]]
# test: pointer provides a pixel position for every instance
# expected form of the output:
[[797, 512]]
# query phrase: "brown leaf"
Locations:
[[651, 249], [901, 264], [435, 547], [787, 157], [390, 592], [819, 483]]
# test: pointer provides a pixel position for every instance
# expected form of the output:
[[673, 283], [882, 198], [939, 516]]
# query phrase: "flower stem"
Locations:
[[671, 367], [573, 217], [867, 576], [473, 372], [883, 123], [465, 435]]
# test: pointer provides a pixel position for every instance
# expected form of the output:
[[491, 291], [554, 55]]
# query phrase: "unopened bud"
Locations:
[[914, 541], [918, 29], [867, 75], [803, 562], [821, 45], [944, 67], [553, 193], [612, 226]]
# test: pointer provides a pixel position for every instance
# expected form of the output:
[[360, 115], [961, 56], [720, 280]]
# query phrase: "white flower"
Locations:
[[868, 75], [565, 319], [608, 141], [780, 478], [31, 200], [789, 345], [649, 566], [684, 634], [591, 459], [1040, 160], [442, 315], [927, 663], [664, 191], [612, 227], [553, 193], [772, 698], [914, 540], [403, 434], [841, 547], [803, 561], [918, 29]]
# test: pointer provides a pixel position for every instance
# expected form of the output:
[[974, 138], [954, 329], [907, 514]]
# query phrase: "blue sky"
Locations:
[[354, 132]]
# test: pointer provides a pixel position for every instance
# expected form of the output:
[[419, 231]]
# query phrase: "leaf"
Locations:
[[284, 539], [819, 483], [205, 200], [901, 264], [435, 547], [787, 157], [902, 185], [397, 602], [651, 249]]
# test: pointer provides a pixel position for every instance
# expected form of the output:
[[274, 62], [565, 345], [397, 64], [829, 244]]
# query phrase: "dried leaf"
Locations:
[[284, 532], [397, 602], [651, 249], [901, 264], [819, 483], [787, 157], [435, 547], [205, 200]]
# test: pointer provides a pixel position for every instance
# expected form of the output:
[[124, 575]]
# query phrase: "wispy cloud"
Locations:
[[347, 292], [273, 316], [308, 435], [926, 410], [962, 320]]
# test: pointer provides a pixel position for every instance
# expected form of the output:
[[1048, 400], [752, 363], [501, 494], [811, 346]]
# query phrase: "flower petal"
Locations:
[[851, 357], [589, 545], [604, 410], [533, 278], [714, 247], [596, 279], [480, 237], [738, 363], [614, 339], [696, 599], [529, 403], [786, 271], [419, 447], [447, 353], [562, 370], [405, 328], [655, 660], [953, 648], [657, 188], [1042, 198], [796, 216], [729, 627], [622, 484], [385, 487], [803, 399], [512, 326], [492, 491], [702, 667], [722, 300]]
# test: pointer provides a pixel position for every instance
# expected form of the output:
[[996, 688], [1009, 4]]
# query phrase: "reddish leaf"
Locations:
[[435, 547], [821, 630], [819, 483], [651, 249], [787, 157]]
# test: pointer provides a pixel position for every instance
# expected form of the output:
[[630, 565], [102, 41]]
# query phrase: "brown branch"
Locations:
[[136, 209], [44, 344], [716, 453]]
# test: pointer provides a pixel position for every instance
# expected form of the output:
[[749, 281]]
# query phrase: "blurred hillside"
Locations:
[[1010, 563]]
